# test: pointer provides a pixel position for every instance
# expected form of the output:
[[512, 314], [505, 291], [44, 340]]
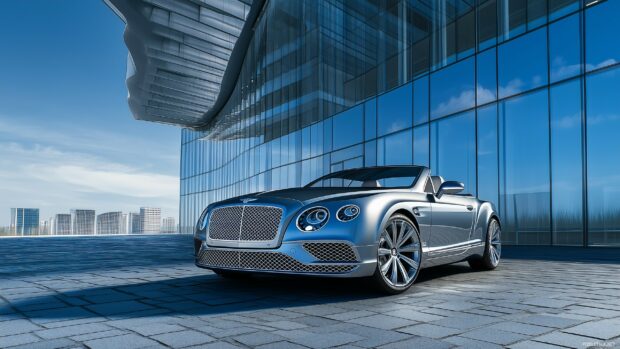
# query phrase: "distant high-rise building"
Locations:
[[44, 227], [83, 222], [110, 223], [61, 224], [169, 225], [133, 223], [150, 219], [124, 227], [24, 221]]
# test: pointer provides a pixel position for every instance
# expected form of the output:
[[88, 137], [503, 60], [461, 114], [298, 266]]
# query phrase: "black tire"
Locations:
[[231, 274], [378, 279], [487, 261]]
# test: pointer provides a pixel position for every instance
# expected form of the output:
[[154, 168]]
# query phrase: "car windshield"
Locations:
[[377, 177]]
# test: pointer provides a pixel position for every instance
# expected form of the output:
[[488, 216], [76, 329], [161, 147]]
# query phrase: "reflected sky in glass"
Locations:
[[523, 63], [452, 89], [565, 48]]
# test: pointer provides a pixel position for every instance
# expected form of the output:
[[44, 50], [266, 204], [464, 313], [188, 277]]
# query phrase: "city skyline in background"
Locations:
[[67, 136]]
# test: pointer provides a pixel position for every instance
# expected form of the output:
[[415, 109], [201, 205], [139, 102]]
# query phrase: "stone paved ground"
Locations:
[[132, 292]]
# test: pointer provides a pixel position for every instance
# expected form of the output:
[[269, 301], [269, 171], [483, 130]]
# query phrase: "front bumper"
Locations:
[[320, 258]]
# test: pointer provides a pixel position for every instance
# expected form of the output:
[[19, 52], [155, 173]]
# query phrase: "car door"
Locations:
[[452, 218]]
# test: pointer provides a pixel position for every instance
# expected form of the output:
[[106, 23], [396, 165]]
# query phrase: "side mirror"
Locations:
[[450, 187]]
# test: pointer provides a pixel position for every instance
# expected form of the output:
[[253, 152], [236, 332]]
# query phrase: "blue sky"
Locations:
[[67, 137]]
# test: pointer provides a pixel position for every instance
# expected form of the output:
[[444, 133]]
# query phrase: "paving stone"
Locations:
[[533, 345], [72, 330], [602, 329], [116, 308], [183, 338], [517, 327], [334, 339], [285, 325], [428, 330], [258, 338], [465, 322], [494, 336], [157, 328], [382, 321], [48, 344], [127, 341], [548, 320], [16, 327], [565, 339], [282, 345], [18, 339], [417, 342], [463, 342]]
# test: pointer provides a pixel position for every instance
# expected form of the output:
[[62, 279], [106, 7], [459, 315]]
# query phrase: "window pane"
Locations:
[[395, 110], [523, 63], [566, 164], [512, 17], [453, 149], [466, 29], [395, 149], [602, 39], [559, 8], [487, 154], [603, 123], [347, 127], [536, 13], [486, 90], [452, 89], [565, 48], [420, 101], [487, 23], [524, 169], [421, 146], [370, 117]]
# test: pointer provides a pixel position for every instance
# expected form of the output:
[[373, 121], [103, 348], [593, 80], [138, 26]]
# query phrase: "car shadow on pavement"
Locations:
[[206, 295]]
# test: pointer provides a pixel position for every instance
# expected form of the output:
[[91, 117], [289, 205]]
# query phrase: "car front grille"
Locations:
[[331, 251], [263, 261], [245, 223]]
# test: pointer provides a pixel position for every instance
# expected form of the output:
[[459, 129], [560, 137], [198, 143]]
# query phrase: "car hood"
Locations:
[[310, 195]]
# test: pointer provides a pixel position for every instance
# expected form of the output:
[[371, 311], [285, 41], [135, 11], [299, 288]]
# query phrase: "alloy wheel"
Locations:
[[399, 253]]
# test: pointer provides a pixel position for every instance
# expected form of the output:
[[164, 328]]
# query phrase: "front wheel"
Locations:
[[492, 249], [398, 256]]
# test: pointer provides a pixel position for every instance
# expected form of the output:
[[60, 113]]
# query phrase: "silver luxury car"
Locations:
[[385, 223]]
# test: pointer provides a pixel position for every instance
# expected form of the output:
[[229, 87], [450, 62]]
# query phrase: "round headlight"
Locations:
[[312, 219], [347, 213], [204, 221]]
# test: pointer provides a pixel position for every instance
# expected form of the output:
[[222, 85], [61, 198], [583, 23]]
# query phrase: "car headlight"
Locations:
[[312, 219], [347, 213], [202, 225]]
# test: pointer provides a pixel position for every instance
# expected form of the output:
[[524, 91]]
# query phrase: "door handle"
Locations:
[[470, 207]]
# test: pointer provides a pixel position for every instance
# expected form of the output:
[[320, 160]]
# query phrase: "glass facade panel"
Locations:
[[524, 169], [394, 110], [486, 83], [522, 63], [516, 122], [453, 149], [488, 184], [565, 48], [566, 164], [347, 130], [602, 39], [603, 124], [452, 89]]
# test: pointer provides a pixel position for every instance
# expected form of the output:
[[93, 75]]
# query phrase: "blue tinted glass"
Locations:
[[453, 149], [395, 149], [452, 89], [394, 110], [603, 123], [524, 169], [487, 154], [523, 63], [348, 127], [421, 146], [602, 39], [370, 153], [486, 90], [565, 48], [559, 8], [370, 119], [420, 101], [566, 164]]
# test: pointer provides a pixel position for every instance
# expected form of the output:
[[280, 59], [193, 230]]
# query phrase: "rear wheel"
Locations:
[[492, 250], [398, 256]]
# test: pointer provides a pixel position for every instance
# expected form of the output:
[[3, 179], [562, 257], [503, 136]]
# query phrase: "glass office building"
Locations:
[[24, 221], [518, 99]]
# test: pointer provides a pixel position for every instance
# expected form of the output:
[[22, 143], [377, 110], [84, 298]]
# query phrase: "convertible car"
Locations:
[[384, 223]]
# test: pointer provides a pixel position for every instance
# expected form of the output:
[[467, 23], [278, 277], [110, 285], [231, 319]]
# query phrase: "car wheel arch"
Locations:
[[396, 209]]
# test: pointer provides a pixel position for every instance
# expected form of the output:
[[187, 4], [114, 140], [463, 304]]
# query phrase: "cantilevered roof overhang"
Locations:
[[184, 55]]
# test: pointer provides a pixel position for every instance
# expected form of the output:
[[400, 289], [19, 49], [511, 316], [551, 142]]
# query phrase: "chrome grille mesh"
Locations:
[[265, 261], [245, 223], [331, 251], [260, 223], [225, 223]]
